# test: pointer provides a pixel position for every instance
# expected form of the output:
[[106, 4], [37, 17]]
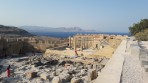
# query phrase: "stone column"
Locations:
[[22, 39], [69, 41], [87, 42], [7, 40], [46, 42], [17, 39], [74, 42], [82, 43]]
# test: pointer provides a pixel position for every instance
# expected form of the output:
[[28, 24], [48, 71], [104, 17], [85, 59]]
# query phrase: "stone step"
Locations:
[[146, 68], [144, 62]]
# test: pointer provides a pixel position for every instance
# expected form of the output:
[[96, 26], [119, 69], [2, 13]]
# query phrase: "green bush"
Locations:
[[142, 36], [139, 27]]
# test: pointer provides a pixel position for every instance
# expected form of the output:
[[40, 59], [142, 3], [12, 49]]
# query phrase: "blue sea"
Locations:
[[67, 34]]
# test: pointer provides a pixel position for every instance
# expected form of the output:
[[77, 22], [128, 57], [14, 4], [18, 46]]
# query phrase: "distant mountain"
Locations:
[[13, 31], [50, 29]]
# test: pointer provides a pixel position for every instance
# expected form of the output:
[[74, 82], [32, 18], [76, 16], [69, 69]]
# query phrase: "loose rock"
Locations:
[[56, 80]]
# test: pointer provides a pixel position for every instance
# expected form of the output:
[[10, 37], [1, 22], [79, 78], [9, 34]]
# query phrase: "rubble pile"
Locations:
[[50, 70]]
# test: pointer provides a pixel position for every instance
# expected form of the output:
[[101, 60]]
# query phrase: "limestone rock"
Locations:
[[39, 80], [58, 71], [65, 77], [45, 76], [146, 68], [74, 80], [83, 71], [53, 73], [80, 67], [56, 80], [85, 79], [92, 74], [95, 66], [89, 66], [31, 74]]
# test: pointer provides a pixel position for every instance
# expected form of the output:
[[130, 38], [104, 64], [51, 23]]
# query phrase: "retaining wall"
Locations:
[[111, 73]]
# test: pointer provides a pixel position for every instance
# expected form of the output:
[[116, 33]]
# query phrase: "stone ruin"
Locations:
[[85, 41], [53, 70]]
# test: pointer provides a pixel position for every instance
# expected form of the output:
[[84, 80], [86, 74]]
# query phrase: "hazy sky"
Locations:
[[102, 15]]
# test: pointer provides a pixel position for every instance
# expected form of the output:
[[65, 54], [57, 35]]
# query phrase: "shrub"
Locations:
[[139, 27], [142, 36]]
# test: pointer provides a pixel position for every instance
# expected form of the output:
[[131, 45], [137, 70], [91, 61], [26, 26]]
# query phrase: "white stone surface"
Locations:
[[135, 49], [74, 80], [132, 70], [56, 80], [45, 76], [111, 73]]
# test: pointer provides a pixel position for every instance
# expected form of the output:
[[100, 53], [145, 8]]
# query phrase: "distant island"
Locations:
[[51, 29]]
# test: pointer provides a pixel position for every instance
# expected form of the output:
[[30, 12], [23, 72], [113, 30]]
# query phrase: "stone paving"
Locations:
[[133, 72]]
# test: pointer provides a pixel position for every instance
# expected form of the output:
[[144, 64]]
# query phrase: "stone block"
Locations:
[[144, 62], [45, 76], [53, 73], [89, 66], [56, 80], [95, 66], [135, 50], [100, 67], [31, 74], [143, 55], [39, 80], [146, 68], [67, 65], [85, 79], [74, 80], [65, 77], [83, 72], [58, 71], [92, 74]]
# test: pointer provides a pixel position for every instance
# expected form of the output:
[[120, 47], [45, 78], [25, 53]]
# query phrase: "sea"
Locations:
[[67, 34]]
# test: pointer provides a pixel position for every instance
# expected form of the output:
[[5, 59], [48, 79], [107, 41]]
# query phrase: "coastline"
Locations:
[[67, 34]]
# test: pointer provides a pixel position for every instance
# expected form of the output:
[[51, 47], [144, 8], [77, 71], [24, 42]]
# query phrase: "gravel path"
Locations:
[[132, 71]]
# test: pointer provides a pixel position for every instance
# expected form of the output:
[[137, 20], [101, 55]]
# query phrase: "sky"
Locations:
[[100, 15]]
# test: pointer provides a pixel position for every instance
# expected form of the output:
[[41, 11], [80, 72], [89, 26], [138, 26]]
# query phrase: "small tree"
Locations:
[[139, 27]]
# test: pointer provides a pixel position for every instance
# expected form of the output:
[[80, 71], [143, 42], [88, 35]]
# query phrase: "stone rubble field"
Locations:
[[50, 70], [127, 65]]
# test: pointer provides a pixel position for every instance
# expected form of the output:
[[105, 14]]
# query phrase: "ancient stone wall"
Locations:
[[90, 40]]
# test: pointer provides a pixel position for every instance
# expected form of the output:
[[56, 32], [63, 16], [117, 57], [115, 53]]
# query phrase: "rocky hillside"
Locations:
[[51, 29], [13, 31]]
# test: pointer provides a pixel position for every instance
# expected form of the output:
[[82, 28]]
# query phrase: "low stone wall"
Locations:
[[111, 73]]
